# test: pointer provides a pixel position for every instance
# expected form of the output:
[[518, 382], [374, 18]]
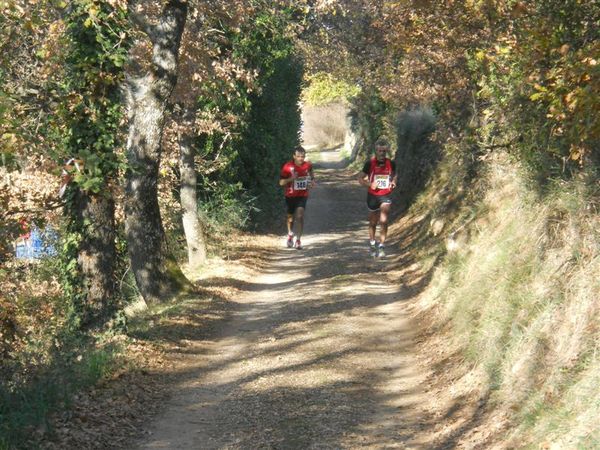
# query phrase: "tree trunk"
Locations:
[[192, 226], [156, 272], [96, 258]]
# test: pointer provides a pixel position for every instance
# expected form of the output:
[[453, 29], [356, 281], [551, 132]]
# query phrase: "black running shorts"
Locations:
[[295, 202], [374, 202]]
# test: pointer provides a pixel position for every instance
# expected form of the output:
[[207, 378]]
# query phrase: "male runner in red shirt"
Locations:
[[297, 177], [379, 175]]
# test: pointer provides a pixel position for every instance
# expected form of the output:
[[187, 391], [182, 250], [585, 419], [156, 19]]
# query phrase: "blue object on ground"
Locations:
[[38, 245]]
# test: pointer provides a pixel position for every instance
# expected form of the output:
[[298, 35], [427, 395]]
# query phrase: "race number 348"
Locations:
[[301, 184]]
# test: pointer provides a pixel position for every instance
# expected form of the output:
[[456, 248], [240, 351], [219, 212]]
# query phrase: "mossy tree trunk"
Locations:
[[89, 119], [156, 272], [96, 258]]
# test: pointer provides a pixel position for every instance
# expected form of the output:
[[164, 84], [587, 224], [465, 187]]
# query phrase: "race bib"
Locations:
[[301, 184], [382, 181]]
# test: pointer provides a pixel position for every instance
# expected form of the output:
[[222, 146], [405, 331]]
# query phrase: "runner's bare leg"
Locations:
[[383, 221], [299, 219], [373, 219]]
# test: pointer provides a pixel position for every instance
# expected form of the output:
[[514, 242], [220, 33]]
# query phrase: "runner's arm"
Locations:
[[363, 180], [363, 176], [284, 179]]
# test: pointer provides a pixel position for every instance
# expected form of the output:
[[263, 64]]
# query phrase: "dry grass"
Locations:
[[523, 296]]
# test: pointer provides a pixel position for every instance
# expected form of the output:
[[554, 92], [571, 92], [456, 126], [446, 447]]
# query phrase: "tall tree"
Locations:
[[96, 49], [209, 97], [192, 226], [156, 271], [226, 56]]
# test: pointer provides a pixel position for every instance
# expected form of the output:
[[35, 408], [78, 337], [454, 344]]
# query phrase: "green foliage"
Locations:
[[96, 43], [72, 236], [48, 360], [540, 84], [26, 404], [369, 112], [228, 208], [97, 40], [322, 88], [416, 154], [251, 151], [272, 134]]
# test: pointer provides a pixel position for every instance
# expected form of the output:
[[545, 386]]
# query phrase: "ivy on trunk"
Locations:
[[96, 45], [156, 271]]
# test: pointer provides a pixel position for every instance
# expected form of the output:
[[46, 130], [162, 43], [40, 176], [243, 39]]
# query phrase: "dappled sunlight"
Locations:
[[317, 348]]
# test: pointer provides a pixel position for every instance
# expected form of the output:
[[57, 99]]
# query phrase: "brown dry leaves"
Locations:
[[26, 192], [106, 416]]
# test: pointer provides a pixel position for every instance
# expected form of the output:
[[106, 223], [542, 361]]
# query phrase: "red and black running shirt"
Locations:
[[298, 187], [382, 172]]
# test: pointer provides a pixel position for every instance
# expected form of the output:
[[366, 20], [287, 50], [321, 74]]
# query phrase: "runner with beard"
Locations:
[[379, 176]]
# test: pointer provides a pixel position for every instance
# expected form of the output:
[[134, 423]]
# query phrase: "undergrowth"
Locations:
[[44, 359], [27, 401], [519, 283]]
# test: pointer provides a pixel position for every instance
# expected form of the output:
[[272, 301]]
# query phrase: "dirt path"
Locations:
[[317, 354]]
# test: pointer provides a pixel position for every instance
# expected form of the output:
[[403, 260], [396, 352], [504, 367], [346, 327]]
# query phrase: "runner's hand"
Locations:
[[374, 186]]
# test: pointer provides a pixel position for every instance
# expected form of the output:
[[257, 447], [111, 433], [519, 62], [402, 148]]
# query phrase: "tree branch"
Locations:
[[48, 207]]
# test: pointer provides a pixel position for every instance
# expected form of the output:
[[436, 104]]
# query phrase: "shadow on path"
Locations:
[[317, 352]]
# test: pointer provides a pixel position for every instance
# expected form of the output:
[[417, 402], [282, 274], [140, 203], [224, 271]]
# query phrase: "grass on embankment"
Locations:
[[520, 284]]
